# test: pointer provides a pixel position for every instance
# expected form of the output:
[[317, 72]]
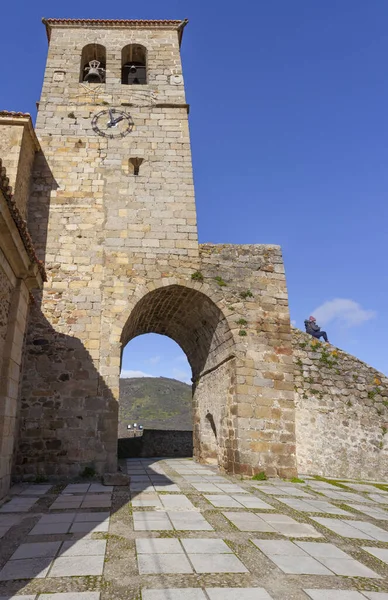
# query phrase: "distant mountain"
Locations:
[[155, 403]]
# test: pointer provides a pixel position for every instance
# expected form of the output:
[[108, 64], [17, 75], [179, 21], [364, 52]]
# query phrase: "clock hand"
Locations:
[[111, 123], [118, 119]]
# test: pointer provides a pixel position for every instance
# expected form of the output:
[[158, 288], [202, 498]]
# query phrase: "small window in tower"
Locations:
[[93, 63], [134, 65]]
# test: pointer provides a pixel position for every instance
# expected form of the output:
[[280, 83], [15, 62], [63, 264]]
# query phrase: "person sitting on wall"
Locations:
[[313, 329]]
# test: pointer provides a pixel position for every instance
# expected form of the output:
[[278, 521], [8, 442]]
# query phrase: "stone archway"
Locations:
[[198, 325]]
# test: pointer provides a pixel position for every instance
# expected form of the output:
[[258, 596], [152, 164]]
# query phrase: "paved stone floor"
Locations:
[[183, 531]]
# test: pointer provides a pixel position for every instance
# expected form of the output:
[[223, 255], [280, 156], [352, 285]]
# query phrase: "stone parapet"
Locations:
[[341, 412]]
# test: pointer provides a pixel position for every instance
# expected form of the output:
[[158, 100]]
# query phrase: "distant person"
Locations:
[[313, 329]]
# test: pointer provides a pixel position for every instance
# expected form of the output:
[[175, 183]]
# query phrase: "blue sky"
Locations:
[[289, 137]]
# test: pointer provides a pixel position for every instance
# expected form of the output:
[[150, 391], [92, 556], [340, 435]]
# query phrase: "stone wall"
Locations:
[[341, 412], [157, 442], [214, 395]]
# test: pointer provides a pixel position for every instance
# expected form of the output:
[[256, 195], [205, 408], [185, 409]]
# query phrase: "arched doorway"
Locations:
[[200, 328]]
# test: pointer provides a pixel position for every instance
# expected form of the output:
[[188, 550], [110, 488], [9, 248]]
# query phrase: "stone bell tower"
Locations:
[[113, 125]]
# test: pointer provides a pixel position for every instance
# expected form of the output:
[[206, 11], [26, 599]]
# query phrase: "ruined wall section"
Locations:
[[259, 432], [341, 412]]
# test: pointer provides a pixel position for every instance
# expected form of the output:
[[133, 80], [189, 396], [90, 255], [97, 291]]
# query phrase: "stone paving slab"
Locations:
[[70, 596], [63, 503], [144, 500], [375, 512], [18, 504], [354, 529], [189, 521], [248, 522], [36, 490], [250, 501], [320, 485], [238, 594], [217, 563], [347, 497], [312, 558], [271, 523], [171, 487], [176, 502], [334, 595], [151, 521], [380, 553], [379, 498], [330, 594], [163, 563], [313, 506], [72, 566], [223, 501], [362, 487], [206, 487], [38, 550], [205, 546], [84, 547], [76, 488], [31, 568], [18, 597], [223, 593], [82, 522], [275, 490], [174, 594], [204, 555], [158, 546]]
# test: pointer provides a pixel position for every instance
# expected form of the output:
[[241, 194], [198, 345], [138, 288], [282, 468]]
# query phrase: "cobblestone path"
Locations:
[[183, 531]]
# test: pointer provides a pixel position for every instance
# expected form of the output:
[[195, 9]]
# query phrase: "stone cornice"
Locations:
[[20, 225]]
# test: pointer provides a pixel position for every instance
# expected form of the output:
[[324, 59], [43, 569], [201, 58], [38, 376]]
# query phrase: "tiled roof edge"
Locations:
[[179, 25], [11, 113]]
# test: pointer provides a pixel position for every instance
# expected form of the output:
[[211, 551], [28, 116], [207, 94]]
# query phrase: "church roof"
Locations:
[[179, 25]]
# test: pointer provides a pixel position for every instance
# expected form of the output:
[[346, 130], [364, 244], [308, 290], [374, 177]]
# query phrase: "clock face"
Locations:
[[112, 123]]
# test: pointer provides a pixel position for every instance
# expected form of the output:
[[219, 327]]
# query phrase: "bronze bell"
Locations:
[[95, 73]]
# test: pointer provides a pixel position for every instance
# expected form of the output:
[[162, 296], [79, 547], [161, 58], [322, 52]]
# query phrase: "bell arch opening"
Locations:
[[134, 65], [198, 326], [93, 64]]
